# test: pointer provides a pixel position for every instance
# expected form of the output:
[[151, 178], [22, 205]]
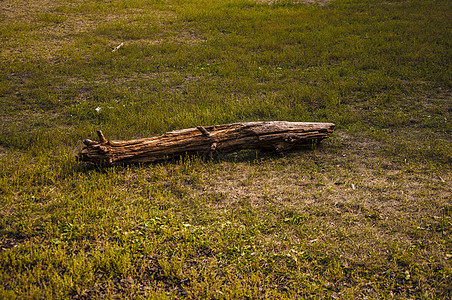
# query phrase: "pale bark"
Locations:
[[274, 136]]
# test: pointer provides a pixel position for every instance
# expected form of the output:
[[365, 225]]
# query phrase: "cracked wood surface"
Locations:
[[268, 136]]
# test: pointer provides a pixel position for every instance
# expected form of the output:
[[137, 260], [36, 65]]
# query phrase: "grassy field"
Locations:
[[366, 215]]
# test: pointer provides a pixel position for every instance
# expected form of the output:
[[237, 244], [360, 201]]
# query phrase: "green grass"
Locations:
[[365, 215]]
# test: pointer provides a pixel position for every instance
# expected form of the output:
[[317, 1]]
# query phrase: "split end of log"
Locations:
[[95, 152]]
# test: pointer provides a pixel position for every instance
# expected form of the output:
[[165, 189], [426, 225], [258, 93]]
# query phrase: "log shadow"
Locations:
[[241, 156]]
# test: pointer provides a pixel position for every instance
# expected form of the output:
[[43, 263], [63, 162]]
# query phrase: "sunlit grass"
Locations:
[[367, 215]]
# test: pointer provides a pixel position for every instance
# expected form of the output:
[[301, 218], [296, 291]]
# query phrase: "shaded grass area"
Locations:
[[368, 214]]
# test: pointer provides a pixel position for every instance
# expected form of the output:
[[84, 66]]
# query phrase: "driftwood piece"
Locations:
[[268, 136]]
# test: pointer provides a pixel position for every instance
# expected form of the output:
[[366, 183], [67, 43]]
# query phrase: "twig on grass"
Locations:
[[117, 47]]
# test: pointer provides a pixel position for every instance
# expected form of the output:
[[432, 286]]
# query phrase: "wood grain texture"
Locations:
[[270, 136]]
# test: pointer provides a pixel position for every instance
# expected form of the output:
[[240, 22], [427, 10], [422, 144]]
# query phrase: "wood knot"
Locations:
[[103, 149], [290, 139], [100, 148]]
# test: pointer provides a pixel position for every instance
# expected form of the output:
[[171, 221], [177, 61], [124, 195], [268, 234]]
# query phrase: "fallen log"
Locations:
[[268, 136]]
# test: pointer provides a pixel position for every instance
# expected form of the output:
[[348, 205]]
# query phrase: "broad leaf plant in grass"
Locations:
[[365, 215]]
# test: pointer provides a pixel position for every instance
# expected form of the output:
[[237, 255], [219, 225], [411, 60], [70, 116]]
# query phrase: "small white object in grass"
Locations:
[[407, 275], [352, 186], [117, 47], [98, 109]]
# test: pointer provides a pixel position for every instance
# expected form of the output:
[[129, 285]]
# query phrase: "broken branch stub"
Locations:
[[268, 136]]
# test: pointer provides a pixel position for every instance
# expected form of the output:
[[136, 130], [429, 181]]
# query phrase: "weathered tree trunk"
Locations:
[[276, 135]]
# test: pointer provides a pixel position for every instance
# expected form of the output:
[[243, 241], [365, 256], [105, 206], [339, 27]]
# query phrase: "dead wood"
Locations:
[[268, 136]]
